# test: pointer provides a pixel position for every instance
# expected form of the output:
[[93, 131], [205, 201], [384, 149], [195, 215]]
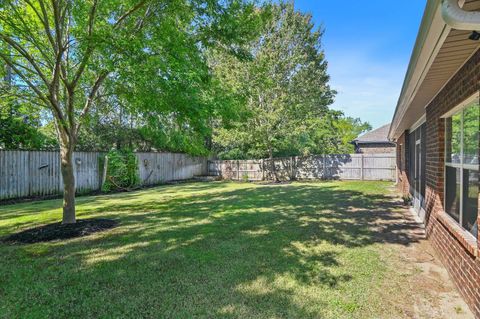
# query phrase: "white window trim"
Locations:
[[459, 108], [472, 167], [462, 105]]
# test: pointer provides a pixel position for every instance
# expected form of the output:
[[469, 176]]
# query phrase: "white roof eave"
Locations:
[[432, 33]]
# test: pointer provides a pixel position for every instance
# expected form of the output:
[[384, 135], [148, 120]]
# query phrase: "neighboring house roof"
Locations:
[[380, 135], [439, 52]]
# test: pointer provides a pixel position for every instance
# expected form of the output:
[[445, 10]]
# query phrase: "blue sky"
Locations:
[[368, 46]]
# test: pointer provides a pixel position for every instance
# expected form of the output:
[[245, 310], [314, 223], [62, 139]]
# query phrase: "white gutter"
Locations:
[[439, 18], [430, 31], [458, 18]]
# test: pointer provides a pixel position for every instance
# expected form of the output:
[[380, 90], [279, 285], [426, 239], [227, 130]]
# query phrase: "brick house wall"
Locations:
[[457, 251], [375, 148]]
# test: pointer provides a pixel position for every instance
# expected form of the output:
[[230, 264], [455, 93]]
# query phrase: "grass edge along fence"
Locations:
[[327, 167], [25, 174]]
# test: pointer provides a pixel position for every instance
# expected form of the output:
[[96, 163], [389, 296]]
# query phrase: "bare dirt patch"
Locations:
[[426, 290]]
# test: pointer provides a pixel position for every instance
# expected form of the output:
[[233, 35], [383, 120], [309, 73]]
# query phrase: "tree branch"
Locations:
[[25, 54], [57, 23], [103, 75], [89, 50], [46, 25], [28, 32], [128, 13], [27, 97], [10, 63]]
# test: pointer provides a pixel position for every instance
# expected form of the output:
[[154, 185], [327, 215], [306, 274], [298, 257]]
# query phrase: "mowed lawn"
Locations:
[[207, 250]]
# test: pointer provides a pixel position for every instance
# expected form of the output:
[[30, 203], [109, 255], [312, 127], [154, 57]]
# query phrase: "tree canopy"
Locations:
[[229, 77], [285, 92], [139, 60], [140, 57]]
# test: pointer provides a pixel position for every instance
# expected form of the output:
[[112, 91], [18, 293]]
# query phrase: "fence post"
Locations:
[[324, 166], [105, 168], [263, 169], [292, 169], [361, 167], [238, 170]]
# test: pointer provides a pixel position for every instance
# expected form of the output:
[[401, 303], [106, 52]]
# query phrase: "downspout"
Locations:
[[459, 19]]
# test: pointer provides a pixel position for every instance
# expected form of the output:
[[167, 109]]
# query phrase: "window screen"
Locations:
[[462, 142]]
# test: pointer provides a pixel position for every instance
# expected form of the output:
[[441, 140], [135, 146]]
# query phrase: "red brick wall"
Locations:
[[456, 252], [462, 266], [376, 148]]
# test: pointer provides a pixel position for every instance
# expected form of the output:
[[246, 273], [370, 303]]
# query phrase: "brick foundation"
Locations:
[[457, 252]]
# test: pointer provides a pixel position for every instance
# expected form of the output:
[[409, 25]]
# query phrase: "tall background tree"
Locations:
[[19, 118], [285, 92], [141, 58]]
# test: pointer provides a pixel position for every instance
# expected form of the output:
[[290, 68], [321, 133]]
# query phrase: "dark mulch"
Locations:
[[83, 227]]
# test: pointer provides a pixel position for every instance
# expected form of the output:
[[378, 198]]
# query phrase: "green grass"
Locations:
[[205, 250]]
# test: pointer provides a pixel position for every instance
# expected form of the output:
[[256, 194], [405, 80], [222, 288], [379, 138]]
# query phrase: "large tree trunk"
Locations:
[[66, 155]]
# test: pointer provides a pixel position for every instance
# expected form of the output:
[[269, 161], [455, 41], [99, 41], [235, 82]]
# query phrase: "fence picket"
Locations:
[[37, 173], [340, 166]]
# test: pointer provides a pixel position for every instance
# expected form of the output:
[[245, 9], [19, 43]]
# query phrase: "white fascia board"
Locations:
[[432, 34]]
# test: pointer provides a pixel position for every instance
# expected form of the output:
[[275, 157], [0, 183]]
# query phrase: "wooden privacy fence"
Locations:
[[343, 166], [37, 173]]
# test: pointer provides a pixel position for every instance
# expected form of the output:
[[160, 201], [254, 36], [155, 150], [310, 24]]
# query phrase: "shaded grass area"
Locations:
[[207, 250]]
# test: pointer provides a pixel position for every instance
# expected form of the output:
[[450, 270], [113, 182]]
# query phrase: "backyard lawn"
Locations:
[[212, 250]]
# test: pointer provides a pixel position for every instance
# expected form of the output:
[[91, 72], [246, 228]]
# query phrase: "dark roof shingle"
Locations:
[[380, 135]]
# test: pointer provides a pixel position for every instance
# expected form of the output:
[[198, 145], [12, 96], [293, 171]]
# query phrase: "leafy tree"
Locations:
[[19, 127], [284, 85], [122, 170], [19, 120], [67, 54], [284, 92], [333, 133]]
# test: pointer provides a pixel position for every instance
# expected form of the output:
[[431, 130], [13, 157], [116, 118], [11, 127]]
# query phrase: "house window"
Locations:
[[462, 165]]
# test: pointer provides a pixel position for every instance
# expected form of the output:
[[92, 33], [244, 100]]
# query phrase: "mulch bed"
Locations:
[[50, 232]]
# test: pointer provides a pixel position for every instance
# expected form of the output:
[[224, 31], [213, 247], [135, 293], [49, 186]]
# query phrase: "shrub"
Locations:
[[122, 171], [407, 200]]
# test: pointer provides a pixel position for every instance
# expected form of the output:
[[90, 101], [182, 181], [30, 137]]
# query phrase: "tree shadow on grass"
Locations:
[[238, 253], [10, 210]]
